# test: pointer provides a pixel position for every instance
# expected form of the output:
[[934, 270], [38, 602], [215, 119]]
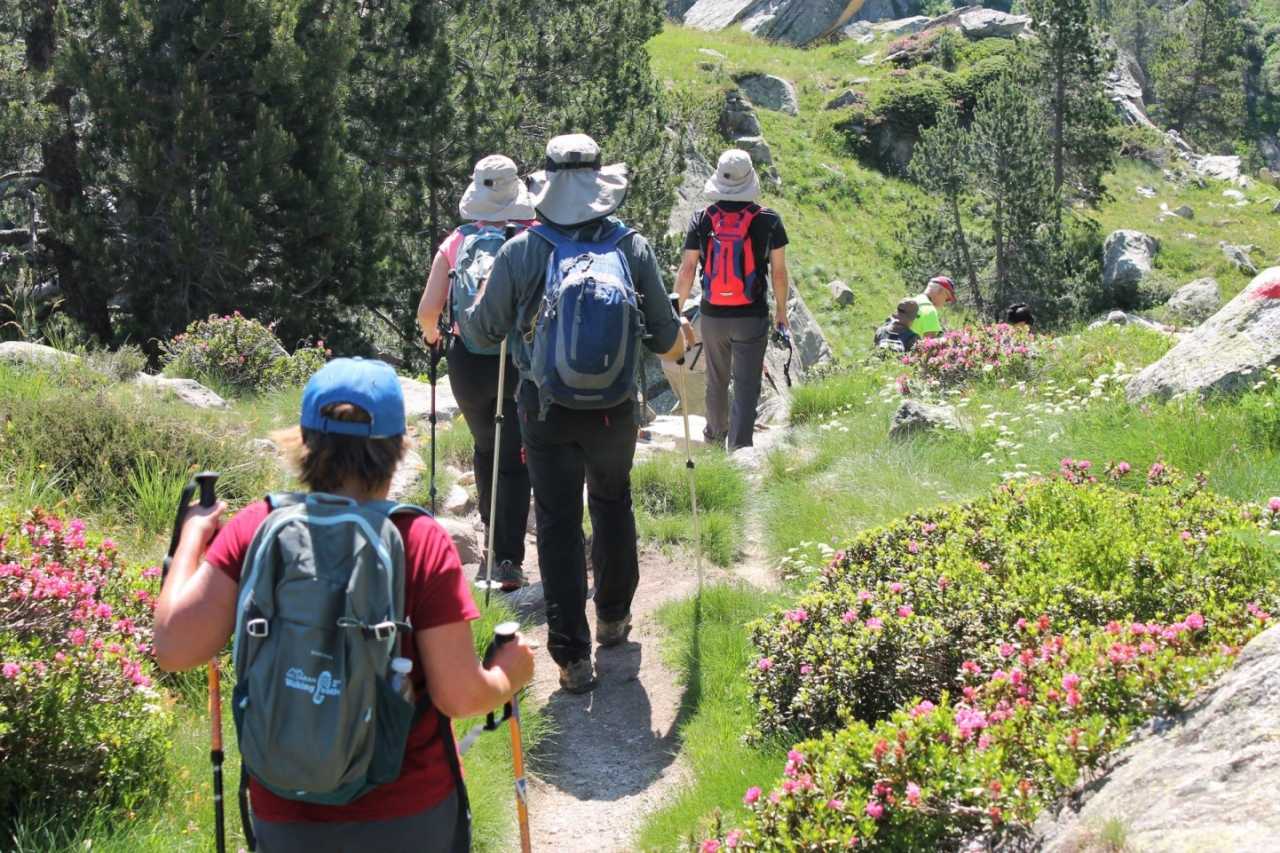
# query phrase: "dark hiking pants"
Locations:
[[734, 348], [568, 448], [474, 380]]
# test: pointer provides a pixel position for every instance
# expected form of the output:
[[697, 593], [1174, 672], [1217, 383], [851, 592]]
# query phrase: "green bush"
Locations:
[[239, 355], [898, 610], [69, 435], [81, 727], [1050, 706]]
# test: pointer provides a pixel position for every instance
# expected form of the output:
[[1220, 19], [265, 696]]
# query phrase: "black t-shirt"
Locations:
[[766, 234]]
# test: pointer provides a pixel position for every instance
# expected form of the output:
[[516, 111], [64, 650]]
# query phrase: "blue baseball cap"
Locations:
[[368, 383]]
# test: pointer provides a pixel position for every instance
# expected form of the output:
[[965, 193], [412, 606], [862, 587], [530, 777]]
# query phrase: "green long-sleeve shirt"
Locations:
[[516, 284]]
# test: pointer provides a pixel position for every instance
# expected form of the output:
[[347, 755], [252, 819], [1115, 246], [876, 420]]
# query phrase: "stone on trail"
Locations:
[[1146, 192], [1196, 302], [458, 502], [1238, 256], [417, 400], [188, 391], [1234, 195], [841, 293], [1202, 780], [738, 118], [465, 538], [914, 417], [20, 352], [770, 92], [759, 150], [1224, 354], [1127, 257]]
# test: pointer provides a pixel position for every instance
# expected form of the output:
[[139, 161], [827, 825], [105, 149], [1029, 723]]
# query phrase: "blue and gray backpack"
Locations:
[[587, 334], [319, 616], [480, 245]]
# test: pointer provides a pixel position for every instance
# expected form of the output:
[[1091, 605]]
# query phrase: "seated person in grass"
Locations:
[[1019, 314], [940, 291], [896, 335]]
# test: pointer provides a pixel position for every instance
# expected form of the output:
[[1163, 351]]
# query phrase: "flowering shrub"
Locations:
[[1045, 707], [81, 725], [958, 356], [241, 354], [896, 612]]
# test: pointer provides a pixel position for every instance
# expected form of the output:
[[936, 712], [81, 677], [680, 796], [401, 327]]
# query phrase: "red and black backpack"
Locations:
[[729, 260]]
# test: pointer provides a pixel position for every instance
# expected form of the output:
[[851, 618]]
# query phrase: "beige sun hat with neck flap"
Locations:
[[735, 178], [496, 193], [574, 188]]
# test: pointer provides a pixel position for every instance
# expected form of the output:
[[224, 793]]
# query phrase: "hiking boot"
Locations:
[[578, 676], [509, 575], [613, 633]]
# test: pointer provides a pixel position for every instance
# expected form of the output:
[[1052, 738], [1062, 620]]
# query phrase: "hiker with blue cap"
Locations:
[[580, 293], [352, 644]]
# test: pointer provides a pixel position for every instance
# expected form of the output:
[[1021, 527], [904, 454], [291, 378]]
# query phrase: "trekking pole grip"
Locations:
[[208, 482], [503, 633]]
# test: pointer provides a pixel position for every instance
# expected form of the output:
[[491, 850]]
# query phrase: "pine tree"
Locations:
[[937, 239], [1199, 73], [1012, 175], [1072, 67], [219, 130]]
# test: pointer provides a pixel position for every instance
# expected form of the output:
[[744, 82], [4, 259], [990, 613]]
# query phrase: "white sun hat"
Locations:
[[496, 193], [574, 188], [735, 178]]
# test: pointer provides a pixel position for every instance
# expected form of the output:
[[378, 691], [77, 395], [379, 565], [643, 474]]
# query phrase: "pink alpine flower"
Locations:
[[913, 793], [835, 805], [895, 588], [1195, 621], [1070, 681], [732, 838], [751, 796], [904, 610], [11, 670], [798, 615], [764, 664], [924, 709], [849, 617], [970, 667], [875, 810], [1274, 505], [710, 846], [874, 624], [864, 596], [1006, 650]]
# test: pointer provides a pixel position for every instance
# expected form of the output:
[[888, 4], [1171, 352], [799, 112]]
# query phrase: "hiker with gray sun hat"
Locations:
[[579, 293], [738, 245], [496, 205]]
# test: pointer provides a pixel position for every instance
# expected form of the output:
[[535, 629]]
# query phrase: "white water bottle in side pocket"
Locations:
[[400, 681]]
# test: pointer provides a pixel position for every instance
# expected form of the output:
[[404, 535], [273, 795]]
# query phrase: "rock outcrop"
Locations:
[[914, 417], [1196, 302], [188, 391], [1126, 90], [691, 195], [846, 99], [1127, 257], [1203, 780], [1225, 354], [770, 92], [737, 117], [1238, 257], [883, 10], [20, 352], [797, 22]]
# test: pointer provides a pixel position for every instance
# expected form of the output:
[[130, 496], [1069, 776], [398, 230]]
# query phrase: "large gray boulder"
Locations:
[[914, 417], [1205, 780], [798, 22], [188, 391], [978, 23], [1238, 257], [1225, 354], [1218, 167], [677, 8], [1196, 302], [21, 352], [770, 92], [1127, 257]]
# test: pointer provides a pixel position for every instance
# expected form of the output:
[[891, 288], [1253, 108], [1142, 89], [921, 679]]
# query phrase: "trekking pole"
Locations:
[[498, 419], [689, 463], [206, 482], [434, 357], [505, 633]]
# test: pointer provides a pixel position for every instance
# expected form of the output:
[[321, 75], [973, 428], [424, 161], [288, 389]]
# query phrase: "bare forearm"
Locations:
[[684, 284], [434, 297]]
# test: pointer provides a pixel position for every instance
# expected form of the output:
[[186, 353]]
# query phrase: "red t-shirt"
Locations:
[[436, 593]]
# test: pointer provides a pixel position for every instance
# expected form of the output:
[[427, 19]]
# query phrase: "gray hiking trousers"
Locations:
[[435, 830], [734, 348]]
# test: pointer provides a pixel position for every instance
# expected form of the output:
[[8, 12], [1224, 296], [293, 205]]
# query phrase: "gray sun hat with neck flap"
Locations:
[[496, 193], [574, 188], [735, 178]]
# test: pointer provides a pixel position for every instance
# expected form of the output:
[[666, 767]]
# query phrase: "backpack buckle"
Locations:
[[384, 630], [258, 628]]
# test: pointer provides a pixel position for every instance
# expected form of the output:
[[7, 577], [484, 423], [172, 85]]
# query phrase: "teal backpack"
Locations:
[[319, 616], [480, 245]]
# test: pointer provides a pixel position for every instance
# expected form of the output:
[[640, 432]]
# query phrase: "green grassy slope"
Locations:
[[842, 216]]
